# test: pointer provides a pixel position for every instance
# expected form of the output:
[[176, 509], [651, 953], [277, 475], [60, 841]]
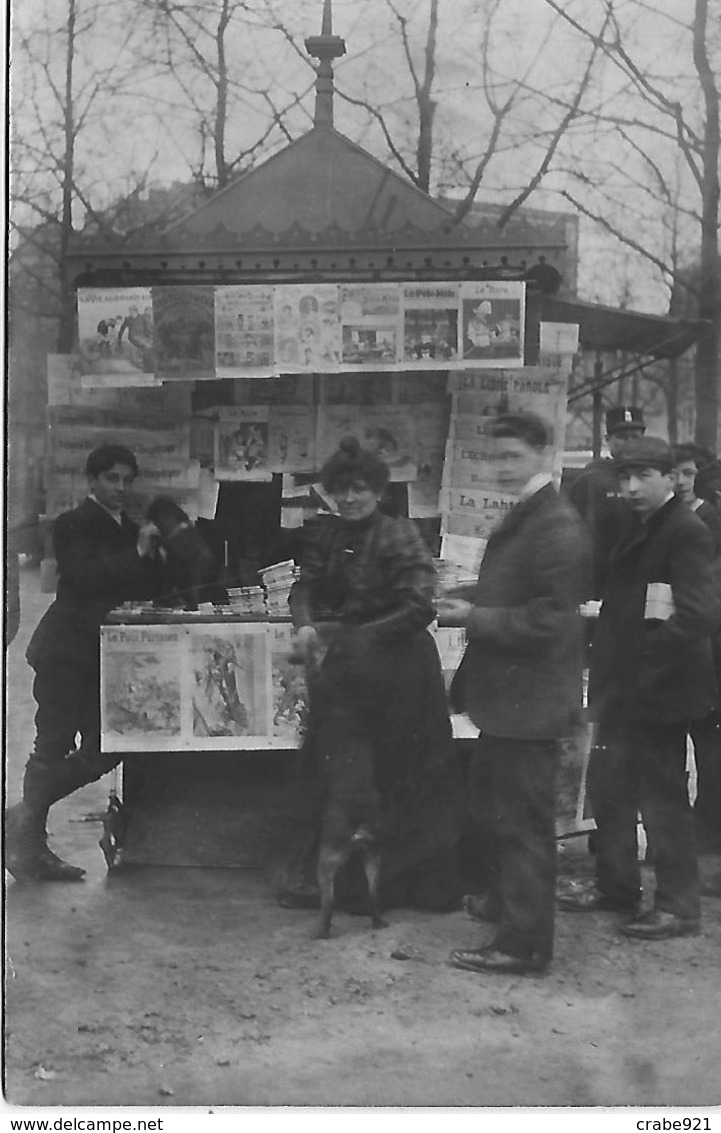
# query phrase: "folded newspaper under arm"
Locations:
[[659, 602]]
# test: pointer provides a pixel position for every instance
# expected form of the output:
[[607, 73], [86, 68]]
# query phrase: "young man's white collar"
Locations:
[[535, 484], [696, 504], [116, 515]]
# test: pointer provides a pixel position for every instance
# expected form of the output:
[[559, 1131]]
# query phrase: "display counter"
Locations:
[[208, 711], [199, 681]]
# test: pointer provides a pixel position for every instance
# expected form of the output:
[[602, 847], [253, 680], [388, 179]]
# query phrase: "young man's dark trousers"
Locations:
[[637, 765], [522, 815], [68, 706]]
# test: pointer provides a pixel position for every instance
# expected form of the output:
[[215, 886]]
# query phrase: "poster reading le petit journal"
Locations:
[[430, 324]]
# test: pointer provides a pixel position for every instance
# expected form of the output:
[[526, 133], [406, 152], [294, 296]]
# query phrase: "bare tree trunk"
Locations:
[[66, 328], [707, 349], [221, 106], [426, 105]]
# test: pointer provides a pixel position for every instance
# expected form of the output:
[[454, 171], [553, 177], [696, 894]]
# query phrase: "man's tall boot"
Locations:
[[28, 856]]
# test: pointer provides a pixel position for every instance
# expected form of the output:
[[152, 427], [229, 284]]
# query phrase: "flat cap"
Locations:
[[645, 452]]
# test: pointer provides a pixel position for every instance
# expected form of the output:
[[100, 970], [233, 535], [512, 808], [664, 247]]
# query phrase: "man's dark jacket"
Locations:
[[595, 495], [521, 673], [98, 568], [657, 670]]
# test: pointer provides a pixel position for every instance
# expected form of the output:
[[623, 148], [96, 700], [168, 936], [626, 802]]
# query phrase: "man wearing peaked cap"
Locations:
[[595, 494], [651, 676], [625, 420]]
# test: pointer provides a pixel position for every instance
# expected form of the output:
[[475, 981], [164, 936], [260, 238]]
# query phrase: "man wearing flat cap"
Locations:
[[651, 676], [595, 493]]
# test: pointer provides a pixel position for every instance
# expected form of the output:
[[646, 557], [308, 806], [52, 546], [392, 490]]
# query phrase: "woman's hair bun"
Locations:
[[350, 446]]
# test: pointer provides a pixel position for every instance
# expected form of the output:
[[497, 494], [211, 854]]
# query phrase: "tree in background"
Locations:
[[651, 179]]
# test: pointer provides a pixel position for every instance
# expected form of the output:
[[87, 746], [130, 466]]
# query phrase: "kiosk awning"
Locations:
[[613, 328]]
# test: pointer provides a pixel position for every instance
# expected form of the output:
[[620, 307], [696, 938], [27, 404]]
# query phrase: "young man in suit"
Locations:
[[103, 559], [651, 676], [520, 683]]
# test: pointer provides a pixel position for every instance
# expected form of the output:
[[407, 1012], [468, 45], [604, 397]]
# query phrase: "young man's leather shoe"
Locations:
[[490, 960], [659, 925]]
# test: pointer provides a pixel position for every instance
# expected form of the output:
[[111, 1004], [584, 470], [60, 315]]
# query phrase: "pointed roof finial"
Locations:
[[325, 47]]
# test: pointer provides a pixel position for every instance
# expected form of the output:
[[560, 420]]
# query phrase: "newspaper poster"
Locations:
[[69, 448], [389, 431], [333, 423], [290, 693], [558, 339], [115, 335], [172, 403], [370, 315], [541, 390], [231, 685], [291, 438], [241, 443], [244, 331], [493, 322], [307, 327], [102, 417], [474, 513], [430, 323], [143, 688], [184, 322]]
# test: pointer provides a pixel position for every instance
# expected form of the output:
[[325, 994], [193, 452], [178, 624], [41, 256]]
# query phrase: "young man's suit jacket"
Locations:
[[658, 669], [521, 673], [98, 568]]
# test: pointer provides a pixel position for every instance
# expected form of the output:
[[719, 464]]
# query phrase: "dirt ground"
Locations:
[[179, 987]]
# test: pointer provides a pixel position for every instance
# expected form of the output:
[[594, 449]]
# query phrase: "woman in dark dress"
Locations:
[[371, 577]]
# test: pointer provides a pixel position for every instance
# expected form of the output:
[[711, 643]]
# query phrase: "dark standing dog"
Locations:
[[351, 815], [351, 819]]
